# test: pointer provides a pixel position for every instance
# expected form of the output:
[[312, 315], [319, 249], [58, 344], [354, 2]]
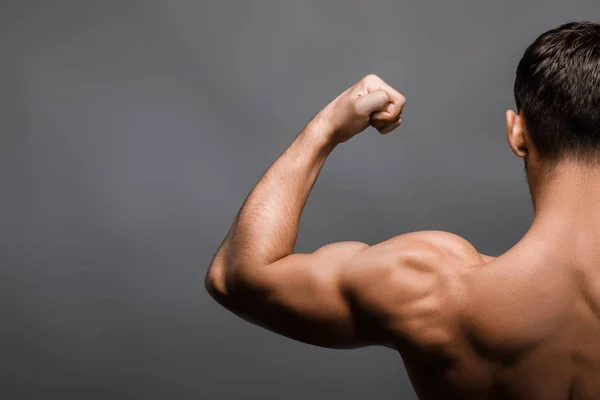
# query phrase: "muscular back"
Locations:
[[522, 326]]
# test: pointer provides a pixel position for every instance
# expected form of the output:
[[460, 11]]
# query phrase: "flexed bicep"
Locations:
[[302, 297], [402, 292]]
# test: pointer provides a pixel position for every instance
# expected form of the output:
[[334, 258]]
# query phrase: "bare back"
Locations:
[[530, 330]]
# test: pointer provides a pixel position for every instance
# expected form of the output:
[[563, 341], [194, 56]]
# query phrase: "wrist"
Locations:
[[321, 133]]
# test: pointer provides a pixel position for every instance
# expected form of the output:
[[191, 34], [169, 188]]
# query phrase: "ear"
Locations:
[[515, 133]]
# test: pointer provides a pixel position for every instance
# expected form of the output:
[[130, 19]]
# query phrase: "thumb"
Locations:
[[372, 102]]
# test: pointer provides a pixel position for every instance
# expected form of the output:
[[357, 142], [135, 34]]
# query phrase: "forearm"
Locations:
[[266, 227]]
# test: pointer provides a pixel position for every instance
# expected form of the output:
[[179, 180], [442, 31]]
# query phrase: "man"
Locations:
[[524, 325]]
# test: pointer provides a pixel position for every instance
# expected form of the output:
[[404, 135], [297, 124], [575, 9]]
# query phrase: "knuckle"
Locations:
[[371, 78]]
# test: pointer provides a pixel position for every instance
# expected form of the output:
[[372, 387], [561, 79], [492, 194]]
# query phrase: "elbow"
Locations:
[[231, 287], [215, 283]]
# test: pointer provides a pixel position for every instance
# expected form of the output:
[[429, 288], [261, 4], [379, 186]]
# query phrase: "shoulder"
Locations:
[[440, 248], [427, 252], [411, 284]]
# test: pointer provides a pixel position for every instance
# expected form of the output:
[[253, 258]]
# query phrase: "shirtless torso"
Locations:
[[524, 325], [529, 325]]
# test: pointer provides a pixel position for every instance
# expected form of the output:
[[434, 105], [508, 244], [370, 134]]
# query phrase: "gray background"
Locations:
[[131, 132]]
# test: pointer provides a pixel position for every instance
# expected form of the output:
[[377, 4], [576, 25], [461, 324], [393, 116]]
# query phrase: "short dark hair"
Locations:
[[557, 89]]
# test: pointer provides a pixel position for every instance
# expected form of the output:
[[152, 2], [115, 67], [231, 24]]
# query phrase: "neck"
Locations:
[[567, 200]]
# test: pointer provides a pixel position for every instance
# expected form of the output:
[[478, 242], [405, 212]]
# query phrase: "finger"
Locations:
[[388, 116], [390, 127], [391, 114], [394, 108], [382, 123], [372, 102], [379, 125], [396, 99]]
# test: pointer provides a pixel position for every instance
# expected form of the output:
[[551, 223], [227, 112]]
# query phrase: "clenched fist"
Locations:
[[370, 102]]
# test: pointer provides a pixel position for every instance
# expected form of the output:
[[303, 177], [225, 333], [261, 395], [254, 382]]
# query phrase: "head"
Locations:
[[557, 91]]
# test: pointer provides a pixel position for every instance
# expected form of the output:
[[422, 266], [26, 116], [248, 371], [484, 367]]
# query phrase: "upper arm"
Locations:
[[300, 296], [349, 294]]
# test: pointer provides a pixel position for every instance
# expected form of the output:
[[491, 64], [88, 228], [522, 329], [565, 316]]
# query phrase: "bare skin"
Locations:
[[524, 325]]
